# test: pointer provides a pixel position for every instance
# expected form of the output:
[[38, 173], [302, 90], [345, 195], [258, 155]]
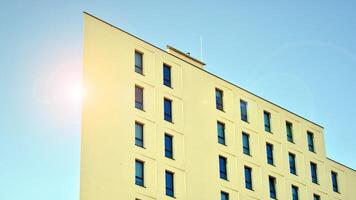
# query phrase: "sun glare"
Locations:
[[76, 93]]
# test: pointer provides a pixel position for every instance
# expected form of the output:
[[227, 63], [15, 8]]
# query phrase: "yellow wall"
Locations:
[[108, 151]]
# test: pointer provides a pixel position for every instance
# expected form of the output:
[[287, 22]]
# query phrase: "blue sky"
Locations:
[[297, 54]]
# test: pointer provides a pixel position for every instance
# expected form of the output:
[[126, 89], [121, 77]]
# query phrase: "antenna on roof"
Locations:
[[201, 48]]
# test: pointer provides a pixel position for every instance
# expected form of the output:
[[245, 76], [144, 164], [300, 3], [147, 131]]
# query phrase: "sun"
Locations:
[[76, 93]]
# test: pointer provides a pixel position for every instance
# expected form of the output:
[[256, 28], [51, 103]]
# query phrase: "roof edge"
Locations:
[[340, 164], [84, 12]]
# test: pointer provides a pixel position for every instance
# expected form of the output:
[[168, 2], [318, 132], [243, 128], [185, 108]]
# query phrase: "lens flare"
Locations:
[[76, 93]]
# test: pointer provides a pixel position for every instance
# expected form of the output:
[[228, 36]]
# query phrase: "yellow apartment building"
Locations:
[[158, 126]]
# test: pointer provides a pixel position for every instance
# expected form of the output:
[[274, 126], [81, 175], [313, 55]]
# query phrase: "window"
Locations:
[[222, 167], [316, 197], [167, 110], [139, 62], [246, 143], [289, 127], [221, 132], [248, 178], [243, 109], [224, 195], [167, 75], [292, 168], [139, 134], [334, 181], [219, 99], [295, 195], [272, 187], [139, 171], [314, 174], [168, 146], [267, 120], [169, 184], [138, 97], [310, 141], [269, 150]]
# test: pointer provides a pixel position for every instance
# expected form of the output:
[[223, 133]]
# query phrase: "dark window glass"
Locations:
[[314, 174], [272, 187], [334, 181], [169, 184], [167, 75], [221, 132], [267, 121], [310, 141], [138, 62], [295, 195], [316, 197], [139, 172], [246, 143], [243, 108], [292, 168], [168, 146], [222, 167], [138, 134], [269, 150], [139, 97], [219, 99], [224, 195], [289, 127], [248, 178], [167, 110]]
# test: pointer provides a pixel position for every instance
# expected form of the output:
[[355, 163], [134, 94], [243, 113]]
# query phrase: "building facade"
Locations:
[[157, 126]]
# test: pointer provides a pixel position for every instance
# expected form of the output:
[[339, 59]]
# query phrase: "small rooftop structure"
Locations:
[[185, 56]]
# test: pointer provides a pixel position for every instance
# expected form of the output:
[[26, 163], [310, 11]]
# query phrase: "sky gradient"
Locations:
[[300, 55]]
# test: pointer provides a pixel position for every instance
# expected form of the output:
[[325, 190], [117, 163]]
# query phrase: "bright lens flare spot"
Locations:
[[77, 93]]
